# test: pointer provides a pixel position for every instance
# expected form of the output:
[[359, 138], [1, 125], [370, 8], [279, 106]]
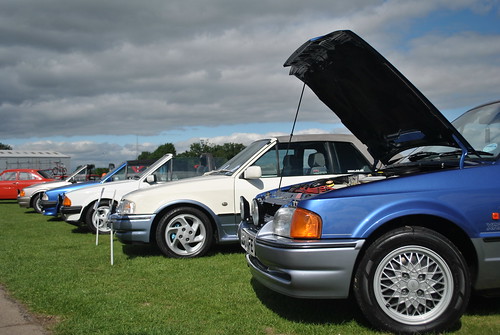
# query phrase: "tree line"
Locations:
[[226, 150]]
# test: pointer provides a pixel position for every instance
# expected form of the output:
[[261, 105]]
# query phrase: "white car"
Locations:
[[30, 196], [80, 205], [186, 217]]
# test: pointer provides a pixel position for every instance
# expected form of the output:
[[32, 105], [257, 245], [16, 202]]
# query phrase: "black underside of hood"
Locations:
[[370, 96]]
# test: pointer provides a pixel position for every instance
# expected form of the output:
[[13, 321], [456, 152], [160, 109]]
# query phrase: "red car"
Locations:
[[13, 181]]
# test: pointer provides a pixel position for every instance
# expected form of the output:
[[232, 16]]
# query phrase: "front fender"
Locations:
[[359, 216], [404, 208]]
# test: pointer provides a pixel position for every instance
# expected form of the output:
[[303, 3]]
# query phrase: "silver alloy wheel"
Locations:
[[185, 234], [100, 219], [413, 285], [37, 203]]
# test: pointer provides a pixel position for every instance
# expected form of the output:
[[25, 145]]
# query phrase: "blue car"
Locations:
[[411, 241], [51, 200]]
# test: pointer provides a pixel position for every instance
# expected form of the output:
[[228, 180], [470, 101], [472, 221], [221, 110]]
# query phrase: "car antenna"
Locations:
[[293, 129]]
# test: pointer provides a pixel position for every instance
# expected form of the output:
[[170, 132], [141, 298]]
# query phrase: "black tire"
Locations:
[[412, 280], [95, 218], [35, 203], [184, 232]]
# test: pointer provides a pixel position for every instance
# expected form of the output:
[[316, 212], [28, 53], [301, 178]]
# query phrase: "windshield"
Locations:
[[241, 158], [46, 174], [120, 167], [481, 129], [154, 166]]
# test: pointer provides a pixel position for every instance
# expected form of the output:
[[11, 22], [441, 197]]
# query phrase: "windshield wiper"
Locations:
[[421, 155], [459, 152], [426, 154], [222, 171]]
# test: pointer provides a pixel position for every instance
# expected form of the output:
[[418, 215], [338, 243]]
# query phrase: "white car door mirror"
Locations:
[[151, 179], [253, 172]]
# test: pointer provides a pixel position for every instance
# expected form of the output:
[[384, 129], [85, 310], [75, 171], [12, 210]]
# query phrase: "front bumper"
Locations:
[[24, 201], [303, 269], [49, 207], [71, 213], [71, 210], [132, 228]]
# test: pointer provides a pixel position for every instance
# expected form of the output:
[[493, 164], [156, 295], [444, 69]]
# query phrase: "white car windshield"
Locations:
[[234, 163]]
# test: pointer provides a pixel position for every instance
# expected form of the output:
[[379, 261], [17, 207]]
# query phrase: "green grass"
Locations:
[[59, 273]]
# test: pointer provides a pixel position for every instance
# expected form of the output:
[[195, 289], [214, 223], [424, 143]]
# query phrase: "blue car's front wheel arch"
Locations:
[[438, 224]]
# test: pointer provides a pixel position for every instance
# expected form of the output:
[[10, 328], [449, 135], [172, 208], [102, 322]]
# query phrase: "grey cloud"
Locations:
[[86, 68]]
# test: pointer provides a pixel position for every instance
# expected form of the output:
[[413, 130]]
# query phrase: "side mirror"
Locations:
[[151, 179], [253, 172]]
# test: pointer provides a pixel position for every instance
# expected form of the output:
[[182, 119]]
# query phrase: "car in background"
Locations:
[[12, 181], [91, 205], [414, 240], [186, 217], [51, 199], [30, 196]]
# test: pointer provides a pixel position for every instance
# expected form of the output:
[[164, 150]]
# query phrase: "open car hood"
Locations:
[[370, 96]]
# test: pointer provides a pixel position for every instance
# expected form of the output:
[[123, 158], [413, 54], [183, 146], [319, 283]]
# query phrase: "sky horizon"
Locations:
[[102, 81]]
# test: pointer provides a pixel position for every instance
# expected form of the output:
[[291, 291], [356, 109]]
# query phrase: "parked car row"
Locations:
[[404, 214], [30, 196]]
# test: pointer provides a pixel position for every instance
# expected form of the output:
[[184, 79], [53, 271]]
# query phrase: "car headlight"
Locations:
[[282, 221], [126, 207], [257, 212], [244, 209], [297, 223]]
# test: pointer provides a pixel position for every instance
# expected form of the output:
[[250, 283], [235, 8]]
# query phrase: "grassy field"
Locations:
[[59, 273]]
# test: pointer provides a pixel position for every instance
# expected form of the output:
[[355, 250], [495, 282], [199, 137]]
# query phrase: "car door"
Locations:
[[8, 188], [26, 179]]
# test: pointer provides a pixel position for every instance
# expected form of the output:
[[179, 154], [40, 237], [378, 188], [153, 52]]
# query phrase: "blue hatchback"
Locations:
[[52, 199], [413, 240]]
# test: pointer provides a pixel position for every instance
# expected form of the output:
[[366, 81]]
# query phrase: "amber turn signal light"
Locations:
[[66, 202], [305, 224]]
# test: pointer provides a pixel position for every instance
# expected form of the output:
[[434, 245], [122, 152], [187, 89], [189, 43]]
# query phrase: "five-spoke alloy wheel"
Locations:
[[98, 218], [184, 232]]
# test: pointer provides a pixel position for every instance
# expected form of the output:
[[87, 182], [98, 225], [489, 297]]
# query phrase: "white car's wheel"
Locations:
[[184, 232], [98, 219], [36, 203], [412, 280]]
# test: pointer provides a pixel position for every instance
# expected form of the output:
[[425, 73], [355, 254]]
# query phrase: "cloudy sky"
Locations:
[[103, 80]]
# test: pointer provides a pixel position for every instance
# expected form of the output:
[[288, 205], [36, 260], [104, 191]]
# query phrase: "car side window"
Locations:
[[25, 176], [9, 176], [304, 158], [348, 159], [163, 172], [268, 163], [312, 158], [295, 159]]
